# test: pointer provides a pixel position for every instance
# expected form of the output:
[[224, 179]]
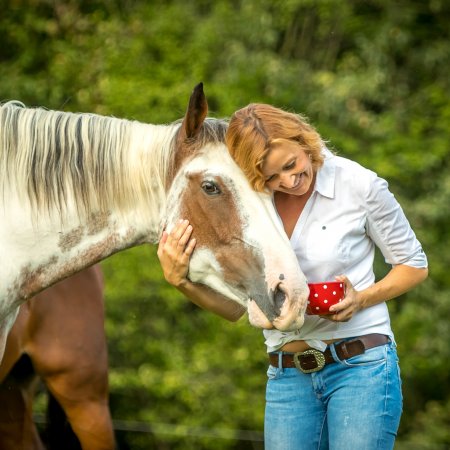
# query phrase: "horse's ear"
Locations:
[[195, 115], [196, 112]]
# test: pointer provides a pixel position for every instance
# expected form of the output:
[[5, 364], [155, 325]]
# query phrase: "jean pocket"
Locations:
[[373, 356], [272, 372]]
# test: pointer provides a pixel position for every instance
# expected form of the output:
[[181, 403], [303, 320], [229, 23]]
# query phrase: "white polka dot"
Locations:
[[317, 308], [340, 285], [334, 292], [316, 295], [324, 286], [325, 301]]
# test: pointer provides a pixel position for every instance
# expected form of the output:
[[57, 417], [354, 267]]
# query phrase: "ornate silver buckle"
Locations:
[[318, 356]]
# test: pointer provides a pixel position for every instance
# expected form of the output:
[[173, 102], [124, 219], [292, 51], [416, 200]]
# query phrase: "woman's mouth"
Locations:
[[298, 181]]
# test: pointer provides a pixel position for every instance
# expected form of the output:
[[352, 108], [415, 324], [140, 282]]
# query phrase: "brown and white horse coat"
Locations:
[[76, 188]]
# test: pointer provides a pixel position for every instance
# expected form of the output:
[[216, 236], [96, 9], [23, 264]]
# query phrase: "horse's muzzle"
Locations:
[[281, 309]]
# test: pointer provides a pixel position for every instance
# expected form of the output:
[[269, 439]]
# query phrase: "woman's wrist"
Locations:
[[361, 299], [177, 282], [183, 283]]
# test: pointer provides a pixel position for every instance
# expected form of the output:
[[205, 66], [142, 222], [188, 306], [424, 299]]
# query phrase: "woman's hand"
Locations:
[[174, 251], [350, 305], [399, 279]]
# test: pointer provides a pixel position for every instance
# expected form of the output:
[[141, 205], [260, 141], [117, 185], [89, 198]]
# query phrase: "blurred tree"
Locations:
[[373, 78]]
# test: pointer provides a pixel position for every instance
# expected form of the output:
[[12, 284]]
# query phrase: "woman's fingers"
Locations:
[[174, 251], [162, 242], [188, 249], [344, 310], [184, 239], [177, 240], [180, 234]]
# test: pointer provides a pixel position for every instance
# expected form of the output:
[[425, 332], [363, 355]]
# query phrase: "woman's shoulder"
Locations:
[[350, 166], [350, 172]]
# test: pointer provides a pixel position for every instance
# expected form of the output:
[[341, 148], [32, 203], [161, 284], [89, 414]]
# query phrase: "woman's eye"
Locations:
[[210, 188], [290, 166]]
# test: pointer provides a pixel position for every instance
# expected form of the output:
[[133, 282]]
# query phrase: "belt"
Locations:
[[313, 360]]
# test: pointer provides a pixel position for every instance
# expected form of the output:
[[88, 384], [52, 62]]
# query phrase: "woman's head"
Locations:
[[259, 129]]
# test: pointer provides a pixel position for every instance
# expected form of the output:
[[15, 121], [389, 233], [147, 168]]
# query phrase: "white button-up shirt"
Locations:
[[349, 212]]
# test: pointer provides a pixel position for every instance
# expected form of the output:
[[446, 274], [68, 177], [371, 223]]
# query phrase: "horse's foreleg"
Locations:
[[87, 409], [91, 422], [17, 429]]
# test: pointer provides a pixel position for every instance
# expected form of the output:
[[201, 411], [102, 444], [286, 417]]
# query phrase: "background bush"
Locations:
[[373, 78]]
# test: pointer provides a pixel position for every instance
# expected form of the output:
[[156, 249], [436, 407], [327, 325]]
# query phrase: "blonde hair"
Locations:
[[254, 129]]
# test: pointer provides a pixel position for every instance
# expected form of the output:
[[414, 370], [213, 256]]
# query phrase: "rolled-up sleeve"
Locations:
[[389, 228]]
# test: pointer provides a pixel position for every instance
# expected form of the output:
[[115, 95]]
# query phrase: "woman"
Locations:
[[335, 212]]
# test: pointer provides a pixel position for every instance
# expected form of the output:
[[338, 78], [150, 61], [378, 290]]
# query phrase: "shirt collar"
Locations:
[[326, 175]]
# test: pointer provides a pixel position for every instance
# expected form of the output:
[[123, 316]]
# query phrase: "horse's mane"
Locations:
[[51, 158]]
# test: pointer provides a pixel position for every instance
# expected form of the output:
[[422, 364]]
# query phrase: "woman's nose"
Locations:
[[287, 180]]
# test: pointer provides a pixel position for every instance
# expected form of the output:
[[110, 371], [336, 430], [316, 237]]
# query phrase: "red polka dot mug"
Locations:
[[323, 295]]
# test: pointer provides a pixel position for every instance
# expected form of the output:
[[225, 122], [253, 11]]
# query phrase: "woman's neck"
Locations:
[[290, 207]]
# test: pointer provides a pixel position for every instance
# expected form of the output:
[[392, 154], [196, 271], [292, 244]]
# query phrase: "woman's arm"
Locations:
[[174, 252], [390, 230], [400, 279]]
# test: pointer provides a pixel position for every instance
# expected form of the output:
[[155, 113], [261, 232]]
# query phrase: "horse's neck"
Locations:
[[34, 258], [40, 249], [64, 164], [36, 254], [148, 162]]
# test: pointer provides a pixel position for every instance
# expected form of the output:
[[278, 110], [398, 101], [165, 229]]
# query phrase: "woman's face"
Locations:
[[287, 168]]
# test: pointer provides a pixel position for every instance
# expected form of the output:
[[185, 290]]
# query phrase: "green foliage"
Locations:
[[373, 78], [174, 363]]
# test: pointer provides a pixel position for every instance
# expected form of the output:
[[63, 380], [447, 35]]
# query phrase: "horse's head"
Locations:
[[242, 250]]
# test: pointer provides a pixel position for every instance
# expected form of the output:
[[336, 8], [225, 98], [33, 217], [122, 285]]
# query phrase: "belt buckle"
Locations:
[[318, 356]]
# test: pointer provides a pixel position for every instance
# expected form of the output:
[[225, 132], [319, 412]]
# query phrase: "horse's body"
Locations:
[[76, 188], [61, 331]]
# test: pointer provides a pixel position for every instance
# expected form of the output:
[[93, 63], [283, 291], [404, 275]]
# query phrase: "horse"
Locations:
[[58, 337], [76, 188]]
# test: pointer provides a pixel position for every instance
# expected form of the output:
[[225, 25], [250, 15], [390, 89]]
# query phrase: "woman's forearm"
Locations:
[[211, 300], [399, 280]]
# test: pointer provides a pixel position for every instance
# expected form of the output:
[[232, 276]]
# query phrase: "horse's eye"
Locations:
[[210, 188]]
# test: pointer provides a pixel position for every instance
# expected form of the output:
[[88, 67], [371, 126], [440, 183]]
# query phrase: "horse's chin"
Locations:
[[287, 322], [284, 325], [290, 318], [256, 317]]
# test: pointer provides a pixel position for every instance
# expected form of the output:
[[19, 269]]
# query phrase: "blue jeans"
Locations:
[[353, 404]]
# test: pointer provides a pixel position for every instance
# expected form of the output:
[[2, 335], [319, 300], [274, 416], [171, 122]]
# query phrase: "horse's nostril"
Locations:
[[278, 299]]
